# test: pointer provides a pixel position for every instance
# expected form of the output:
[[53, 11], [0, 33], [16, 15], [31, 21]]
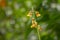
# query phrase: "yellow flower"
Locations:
[[37, 14], [39, 28], [33, 22], [33, 26], [30, 14]]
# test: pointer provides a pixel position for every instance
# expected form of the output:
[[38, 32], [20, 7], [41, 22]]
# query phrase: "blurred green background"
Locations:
[[15, 25]]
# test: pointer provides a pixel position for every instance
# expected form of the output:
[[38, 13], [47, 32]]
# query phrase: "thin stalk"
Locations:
[[38, 34]]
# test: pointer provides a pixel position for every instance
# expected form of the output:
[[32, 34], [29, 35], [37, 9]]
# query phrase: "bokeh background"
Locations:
[[15, 25]]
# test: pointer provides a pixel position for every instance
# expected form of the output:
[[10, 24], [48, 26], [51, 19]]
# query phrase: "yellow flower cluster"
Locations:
[[34, 23], [30, 14]]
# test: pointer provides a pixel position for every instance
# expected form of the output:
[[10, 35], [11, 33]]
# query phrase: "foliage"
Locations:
[[15, 25]]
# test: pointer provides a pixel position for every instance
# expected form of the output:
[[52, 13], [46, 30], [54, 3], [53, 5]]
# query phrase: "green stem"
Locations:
[[38, 34]]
